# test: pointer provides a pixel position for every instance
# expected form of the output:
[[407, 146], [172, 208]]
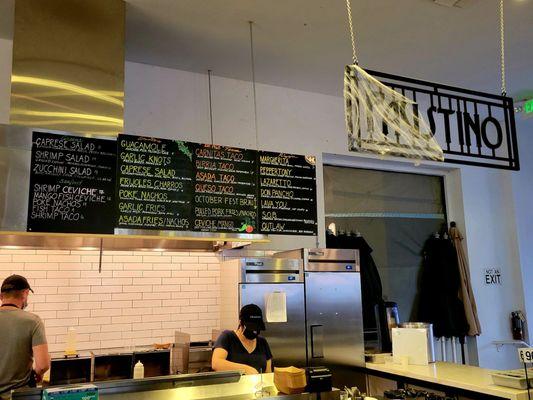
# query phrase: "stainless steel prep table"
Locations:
[[210, 385]]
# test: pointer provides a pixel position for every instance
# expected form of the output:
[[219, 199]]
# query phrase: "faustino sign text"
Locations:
[[471, 127]]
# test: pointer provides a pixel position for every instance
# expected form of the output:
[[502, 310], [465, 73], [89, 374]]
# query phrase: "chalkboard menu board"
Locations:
[[225, 190], [287, 194], [155, 183], [72, 184], [173, 185]]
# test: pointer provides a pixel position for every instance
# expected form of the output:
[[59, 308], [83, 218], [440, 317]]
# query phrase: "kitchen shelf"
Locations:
[[500, 343], [385, 215]]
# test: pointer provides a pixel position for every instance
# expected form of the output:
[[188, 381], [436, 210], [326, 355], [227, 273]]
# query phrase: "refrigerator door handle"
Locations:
[[317, 341]]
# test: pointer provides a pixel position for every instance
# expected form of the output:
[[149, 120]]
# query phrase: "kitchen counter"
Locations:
[[203, 386], [442, 375], [247, 388]]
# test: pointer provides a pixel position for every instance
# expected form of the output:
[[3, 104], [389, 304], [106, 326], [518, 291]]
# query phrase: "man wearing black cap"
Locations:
[[24, 354], [243, 348]]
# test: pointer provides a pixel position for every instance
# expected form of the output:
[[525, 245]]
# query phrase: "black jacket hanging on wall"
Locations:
[[439, 302]]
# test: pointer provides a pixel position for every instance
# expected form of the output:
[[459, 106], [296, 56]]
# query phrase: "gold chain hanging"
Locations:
[[502, 49], [352, 35]]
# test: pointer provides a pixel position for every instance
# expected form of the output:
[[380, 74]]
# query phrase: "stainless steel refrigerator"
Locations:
[[321, 288]]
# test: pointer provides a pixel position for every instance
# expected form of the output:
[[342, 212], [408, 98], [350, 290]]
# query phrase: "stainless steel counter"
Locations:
[[204, 386], [333, 395], [456, 380]]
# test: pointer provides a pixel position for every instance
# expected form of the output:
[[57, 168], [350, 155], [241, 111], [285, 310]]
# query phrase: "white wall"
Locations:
[[139, 298], [171, 103], [490, 223], [523, 192]]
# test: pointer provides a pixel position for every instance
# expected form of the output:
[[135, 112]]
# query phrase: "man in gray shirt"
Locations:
[[23, 349]]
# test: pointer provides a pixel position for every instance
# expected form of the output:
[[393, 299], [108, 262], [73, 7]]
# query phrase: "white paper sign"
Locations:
[[492, 276], [525, 355], [276, 307]]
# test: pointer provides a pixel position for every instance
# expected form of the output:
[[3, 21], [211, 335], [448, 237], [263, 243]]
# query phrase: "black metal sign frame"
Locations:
[[466, 116]]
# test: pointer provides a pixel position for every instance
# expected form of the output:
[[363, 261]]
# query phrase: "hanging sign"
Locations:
[[87, 185], [72, 184], [287, 194], [155, 179], [225, 189], [167, 184], [471, 127], [525, 355], [391, 122]]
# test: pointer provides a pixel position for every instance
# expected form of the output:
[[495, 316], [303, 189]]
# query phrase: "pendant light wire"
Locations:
[[252, 62], [355, 60], [502, 49], [209, 73]]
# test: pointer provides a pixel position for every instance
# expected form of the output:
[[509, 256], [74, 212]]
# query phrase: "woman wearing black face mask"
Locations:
[[243, 349]]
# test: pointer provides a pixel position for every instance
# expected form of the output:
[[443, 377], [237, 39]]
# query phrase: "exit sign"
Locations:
[[528, 107]]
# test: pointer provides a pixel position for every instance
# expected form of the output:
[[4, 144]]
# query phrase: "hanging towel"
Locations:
[[465, 293]]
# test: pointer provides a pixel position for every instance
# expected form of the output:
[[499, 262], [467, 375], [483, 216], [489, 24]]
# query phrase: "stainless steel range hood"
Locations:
[[15, 161], [187, 241], [68, 65]]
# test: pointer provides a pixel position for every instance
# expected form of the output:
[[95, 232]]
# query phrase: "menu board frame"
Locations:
[[72, 184], [221, 194], [225, 189], [220, 190], [287, 194], [154, 183]]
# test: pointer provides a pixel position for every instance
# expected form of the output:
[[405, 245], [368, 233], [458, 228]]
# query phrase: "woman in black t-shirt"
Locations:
[[243, 348]]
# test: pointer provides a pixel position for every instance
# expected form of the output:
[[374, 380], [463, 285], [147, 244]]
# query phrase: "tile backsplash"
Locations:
[[139, 298]]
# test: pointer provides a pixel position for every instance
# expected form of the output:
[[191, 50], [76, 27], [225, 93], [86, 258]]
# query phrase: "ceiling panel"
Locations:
[[303, 44]]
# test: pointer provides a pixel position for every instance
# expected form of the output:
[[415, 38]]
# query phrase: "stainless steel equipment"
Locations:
[[86, 80], [333, 308], [324, 325], [227, 385], [255, 278]]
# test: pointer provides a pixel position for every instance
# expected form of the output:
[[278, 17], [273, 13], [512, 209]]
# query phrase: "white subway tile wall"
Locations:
[[138, 299]]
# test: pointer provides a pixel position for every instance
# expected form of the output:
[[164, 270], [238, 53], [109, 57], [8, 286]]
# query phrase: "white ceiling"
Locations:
[[304, 43]]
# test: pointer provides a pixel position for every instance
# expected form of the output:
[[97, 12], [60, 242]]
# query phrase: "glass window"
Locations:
[[395, 213]]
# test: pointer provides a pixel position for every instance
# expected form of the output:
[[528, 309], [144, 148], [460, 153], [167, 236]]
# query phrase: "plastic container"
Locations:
[[70, 346], [414, 340], [138, 370], [515, 379]]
